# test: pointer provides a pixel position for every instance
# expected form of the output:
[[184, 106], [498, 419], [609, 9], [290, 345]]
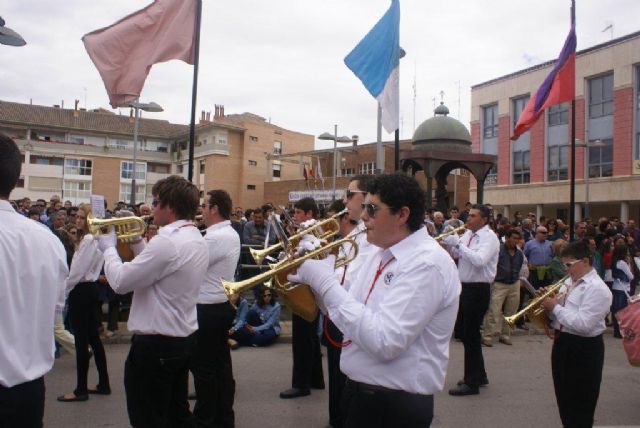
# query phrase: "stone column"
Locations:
[[578, 213], [624, 211], [538, 211], [506, 212]]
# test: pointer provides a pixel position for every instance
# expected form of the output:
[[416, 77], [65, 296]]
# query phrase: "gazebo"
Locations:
[[440, 145]]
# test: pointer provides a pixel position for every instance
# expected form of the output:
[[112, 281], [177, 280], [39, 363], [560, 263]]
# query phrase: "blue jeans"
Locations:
[[619, 301]]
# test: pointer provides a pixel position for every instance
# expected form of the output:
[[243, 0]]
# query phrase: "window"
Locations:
[[125, 192], [490, 121], [367, 168], [251, 187], [558, 168], [76, 140], [277, 147], [180, 168], [492, 176], [637, 146], [276, 170], [253, 138], [77, 167], [126, 170], [559, 114], [518, 106], [77, 190], [20, 182], [222, 141], [45, 160], [158, 168], [601, 160], [347, 171], [202, 166], [252, 163], [601, 96], [521, 167], [162, 147], [119, 144]]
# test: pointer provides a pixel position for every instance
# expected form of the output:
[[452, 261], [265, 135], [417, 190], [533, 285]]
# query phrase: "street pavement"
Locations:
[[520, 392]]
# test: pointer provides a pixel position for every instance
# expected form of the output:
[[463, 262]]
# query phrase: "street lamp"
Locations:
[[587, 146], [336, 140], [137, 106], [9, 37]]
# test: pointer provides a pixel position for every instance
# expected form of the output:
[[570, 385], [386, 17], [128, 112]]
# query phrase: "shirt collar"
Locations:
[[406, 247], [586, 277], [170, 228], [6, 206], [220, 225]]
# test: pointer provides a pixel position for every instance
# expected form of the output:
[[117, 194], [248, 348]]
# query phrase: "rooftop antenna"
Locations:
[[610, 28]]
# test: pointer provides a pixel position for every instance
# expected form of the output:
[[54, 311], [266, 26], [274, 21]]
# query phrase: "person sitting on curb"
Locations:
[[262, 326]]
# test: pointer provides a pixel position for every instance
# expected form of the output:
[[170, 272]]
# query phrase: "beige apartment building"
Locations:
[[75, 153], [532, 173]]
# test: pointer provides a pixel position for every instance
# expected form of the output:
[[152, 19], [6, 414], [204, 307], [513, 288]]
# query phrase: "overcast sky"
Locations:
[[283, 59]]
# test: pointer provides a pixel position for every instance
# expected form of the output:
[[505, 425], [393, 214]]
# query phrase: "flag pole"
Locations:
[[194, 91], [572, 185]]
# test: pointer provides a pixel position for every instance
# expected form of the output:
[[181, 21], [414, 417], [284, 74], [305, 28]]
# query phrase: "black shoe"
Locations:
[[100, 391], [74, 397], [295, 392], [318, 386], [483, 382], [463, 389]]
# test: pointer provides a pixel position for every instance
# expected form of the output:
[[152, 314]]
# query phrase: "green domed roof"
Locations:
[[442, 133]]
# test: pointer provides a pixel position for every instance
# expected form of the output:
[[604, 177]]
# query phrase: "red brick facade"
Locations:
[[504, 150], [623, 107], [536, 153]]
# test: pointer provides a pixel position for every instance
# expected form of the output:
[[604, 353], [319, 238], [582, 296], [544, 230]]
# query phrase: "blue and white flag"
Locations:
[[375, 61]]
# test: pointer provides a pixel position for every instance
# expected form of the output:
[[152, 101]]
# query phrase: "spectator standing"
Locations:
[[527, 230], [255, 231], [622, 277], [539, 252]]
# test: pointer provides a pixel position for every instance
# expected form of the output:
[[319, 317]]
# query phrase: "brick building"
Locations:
[[75, 153], [533, 173]]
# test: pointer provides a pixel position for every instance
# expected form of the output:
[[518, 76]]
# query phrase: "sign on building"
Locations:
[[318, 195]]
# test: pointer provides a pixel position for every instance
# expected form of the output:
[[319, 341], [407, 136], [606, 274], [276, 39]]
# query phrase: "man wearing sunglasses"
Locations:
[[165, 276], [477, 253], [398, 314], [578, 317], [211, 362]]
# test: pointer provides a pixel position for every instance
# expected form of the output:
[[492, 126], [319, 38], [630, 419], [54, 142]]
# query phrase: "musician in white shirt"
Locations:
[[477, 253], [165, 276], [82, 289], [211, 362], [33, 268], [398, 314], [577, 355]]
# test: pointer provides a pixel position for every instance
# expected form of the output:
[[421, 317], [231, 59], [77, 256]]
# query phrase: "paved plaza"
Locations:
[[520, 391]]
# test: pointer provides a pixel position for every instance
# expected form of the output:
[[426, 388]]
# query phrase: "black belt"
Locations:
[[475, 284], [371, 389], [159, 338]]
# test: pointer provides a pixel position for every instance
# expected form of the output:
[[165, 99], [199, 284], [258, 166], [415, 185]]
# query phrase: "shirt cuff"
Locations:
[[334, 296]]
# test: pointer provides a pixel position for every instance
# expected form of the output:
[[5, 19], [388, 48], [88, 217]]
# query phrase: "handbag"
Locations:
[[629, 320]]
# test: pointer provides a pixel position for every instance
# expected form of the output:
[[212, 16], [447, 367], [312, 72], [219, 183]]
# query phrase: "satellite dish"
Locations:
[[10, 37]]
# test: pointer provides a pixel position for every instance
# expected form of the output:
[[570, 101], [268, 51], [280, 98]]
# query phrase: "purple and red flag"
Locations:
[[557, 88]]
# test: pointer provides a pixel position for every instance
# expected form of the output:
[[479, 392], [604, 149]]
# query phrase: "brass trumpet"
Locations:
[[322, 230], [127, 228], [534, 310], [294, 292], [450, 232]]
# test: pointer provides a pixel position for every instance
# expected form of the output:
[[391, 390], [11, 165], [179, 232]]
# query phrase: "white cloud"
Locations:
[[283, 59]]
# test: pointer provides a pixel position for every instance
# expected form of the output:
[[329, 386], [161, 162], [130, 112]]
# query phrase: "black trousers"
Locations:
[[576, 366], [82, 315], [474, 302], [22, 405], [307, 359], [211, 366], [156, 378], [337, 379], [371, 406]]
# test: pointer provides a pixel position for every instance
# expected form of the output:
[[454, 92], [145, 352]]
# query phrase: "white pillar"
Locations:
[[506, 212], [578, 213], [538, 211], [624, 212]]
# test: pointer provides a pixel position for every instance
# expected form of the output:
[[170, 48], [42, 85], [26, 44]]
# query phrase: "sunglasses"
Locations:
[[351, 193], [371, 209], [569, 264]]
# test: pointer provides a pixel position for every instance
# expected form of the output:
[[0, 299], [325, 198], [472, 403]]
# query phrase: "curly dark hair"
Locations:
[[397, 191]]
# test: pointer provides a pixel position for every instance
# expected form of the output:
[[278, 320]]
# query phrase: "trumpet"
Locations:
[[534, 310], [126, 228], [450, 232], [323, 229], [294, 292]]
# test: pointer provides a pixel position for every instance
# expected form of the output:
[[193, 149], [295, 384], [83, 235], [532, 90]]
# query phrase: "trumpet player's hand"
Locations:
[[317, 273], [549, 303], [451, 240], [108, 240]]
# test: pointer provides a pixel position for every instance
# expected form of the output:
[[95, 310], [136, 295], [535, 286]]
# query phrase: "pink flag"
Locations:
[[125, 51]]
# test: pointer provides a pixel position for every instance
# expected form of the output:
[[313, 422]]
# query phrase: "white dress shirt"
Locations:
[[165, 276], [86, 263], [33, 268], [619, 284], [477, 255], [584, 307], [223, 243], [400, 337], [364, 248]]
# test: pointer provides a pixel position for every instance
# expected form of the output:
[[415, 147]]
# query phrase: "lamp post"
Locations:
[[587, 146], [137, 106], [9, 37], [336, 140]]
